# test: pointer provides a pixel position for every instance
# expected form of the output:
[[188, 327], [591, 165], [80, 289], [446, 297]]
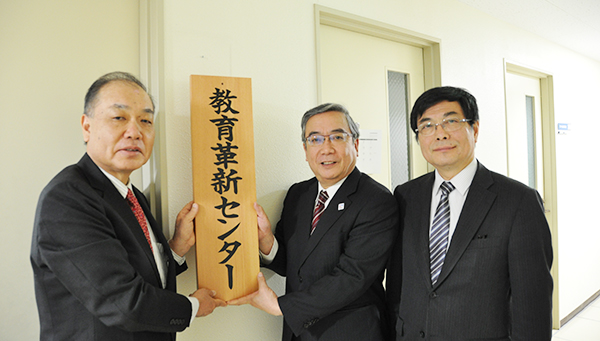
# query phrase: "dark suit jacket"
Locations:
[[95, 276], [334, 277], [495, 283]]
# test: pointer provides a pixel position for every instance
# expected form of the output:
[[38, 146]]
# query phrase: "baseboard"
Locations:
[[579, 309]]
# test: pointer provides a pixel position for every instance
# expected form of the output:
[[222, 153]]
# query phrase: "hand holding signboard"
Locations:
[[264, 299], [184, 237]]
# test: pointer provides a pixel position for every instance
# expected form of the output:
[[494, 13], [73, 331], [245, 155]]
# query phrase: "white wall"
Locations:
[[273, 43], [579, 229], [47, 63], [50, 53]]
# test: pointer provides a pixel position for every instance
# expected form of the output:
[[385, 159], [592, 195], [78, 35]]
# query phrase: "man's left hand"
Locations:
[[184, 237], [264, 299]]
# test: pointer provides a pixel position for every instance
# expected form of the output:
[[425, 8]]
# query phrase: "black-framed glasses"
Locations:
[[450, 124], [337, 138]]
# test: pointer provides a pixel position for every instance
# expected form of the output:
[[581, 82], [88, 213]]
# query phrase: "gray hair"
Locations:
[[319, 109], [94, 90]]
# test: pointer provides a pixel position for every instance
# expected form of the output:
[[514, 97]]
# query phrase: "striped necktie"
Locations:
[[323, 196], [438, 239]]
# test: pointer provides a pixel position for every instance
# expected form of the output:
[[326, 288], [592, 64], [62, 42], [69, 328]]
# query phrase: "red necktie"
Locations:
[[323, 196], [139, 214]]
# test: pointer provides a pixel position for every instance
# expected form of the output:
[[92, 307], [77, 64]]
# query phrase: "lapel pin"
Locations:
[[340, 206]]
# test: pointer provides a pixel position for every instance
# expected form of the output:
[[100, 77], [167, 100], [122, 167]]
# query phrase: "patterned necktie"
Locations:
[[438, 240], [139, 214], [323, 196]]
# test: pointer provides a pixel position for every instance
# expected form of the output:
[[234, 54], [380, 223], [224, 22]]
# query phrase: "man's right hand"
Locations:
[[265, 235], [264, 298], [207, 301]]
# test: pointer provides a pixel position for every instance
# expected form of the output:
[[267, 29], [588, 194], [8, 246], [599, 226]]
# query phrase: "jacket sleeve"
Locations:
[[362, 261], [87, 250], [530, 260], [279, 263]]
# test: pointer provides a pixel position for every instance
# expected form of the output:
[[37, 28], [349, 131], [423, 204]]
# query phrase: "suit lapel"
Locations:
[[335, 209], [304, 209], [160, 239], [421, 215], [476, 206], [109, 193]]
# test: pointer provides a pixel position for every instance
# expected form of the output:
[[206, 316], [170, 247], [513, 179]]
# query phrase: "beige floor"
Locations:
[[583, 327]]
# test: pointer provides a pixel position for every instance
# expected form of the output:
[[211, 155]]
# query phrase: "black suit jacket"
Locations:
[[495, 283], [95, 276], [334, 278]]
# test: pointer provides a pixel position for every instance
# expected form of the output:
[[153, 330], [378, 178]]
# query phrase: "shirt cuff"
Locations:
[[180, 260], [195, 306], [267, 259]]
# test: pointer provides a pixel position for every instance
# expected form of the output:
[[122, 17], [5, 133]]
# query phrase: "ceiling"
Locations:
[[574, 24]]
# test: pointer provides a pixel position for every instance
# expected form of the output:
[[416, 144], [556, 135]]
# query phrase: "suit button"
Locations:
[[300, 279], [177, 322], [433, 295], [422, 334], [308, 324]]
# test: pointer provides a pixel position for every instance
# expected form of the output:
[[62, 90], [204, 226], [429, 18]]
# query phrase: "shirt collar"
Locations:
[[120, 186], [461, 181], [331, 190]]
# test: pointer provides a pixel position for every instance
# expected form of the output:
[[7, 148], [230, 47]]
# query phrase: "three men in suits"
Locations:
[[103, 269], [333, 258], [479, 269]]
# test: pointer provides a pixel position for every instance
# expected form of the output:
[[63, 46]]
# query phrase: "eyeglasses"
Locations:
[[317, 140], [450, 124]]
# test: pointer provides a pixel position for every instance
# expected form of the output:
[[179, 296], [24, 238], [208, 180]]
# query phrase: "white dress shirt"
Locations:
[[462, 182], [157, 248], [331, 190]]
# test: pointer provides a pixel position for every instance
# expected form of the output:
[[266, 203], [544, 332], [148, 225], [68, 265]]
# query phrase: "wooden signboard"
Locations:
[[227, 257]]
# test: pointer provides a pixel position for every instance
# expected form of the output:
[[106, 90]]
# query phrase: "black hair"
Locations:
[[434, 96]]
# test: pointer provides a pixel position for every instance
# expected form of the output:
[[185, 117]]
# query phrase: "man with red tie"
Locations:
[[332, 241], [103, 270]]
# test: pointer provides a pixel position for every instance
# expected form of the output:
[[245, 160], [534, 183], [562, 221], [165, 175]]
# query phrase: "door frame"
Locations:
[[549, 163], [431, 50], [354, 23], [154, 172]]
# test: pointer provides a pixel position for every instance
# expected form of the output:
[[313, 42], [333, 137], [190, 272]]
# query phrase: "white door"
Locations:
[[356, 70], [523, 123], [531, 146]]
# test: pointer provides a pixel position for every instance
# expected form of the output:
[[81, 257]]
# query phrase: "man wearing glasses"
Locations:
[[472, 260], [103, 270], [332, 242]]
